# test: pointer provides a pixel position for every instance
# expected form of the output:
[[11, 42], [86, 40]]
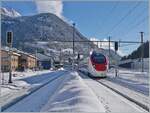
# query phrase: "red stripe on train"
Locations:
[[100, 67]]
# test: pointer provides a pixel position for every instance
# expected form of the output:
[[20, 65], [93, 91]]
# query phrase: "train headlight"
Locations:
[[93, 65]]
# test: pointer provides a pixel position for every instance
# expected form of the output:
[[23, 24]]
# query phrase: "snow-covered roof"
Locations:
[[17, 52]]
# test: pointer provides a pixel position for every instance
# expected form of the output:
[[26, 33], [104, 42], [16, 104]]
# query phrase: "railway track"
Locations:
[[6, 106], [119, 93]]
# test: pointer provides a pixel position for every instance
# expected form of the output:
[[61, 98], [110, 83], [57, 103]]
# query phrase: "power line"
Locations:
[[124, 17], [110, 13], [136, 42], [137, 24], [139, 15]]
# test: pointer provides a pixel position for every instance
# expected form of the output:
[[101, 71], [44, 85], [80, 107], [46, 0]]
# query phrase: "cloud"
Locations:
[[55, 7], [52, 6], [104, 45]]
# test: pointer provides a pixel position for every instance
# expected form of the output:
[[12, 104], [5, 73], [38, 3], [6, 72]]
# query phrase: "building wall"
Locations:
[[6, 62], [19, 60], [138, 64], [23, 61], [14, 62], [27, 61], [31, 62]]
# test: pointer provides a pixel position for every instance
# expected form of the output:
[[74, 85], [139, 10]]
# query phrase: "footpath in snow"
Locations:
[[68, 93]]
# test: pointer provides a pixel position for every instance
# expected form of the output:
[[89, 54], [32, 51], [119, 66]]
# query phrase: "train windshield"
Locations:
[[98, 58]]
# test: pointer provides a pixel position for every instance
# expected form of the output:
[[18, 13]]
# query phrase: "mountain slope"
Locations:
[[137, 53], [46, 27]]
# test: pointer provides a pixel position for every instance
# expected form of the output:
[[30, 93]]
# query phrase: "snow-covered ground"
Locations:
[[131, 83], [68, 94], [25, 74], [71, 92], [24, 83], [112, 101], [134, 80]]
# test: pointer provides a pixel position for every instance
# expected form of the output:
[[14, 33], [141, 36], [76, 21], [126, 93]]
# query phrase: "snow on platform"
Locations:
[[23, 84], [73, 96], [68, 93], [35, 101]]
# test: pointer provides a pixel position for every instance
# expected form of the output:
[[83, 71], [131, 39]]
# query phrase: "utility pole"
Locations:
[[88, 47], [109, 51], [116, 67], [142, 52], [73, 45], [119, 44], [36, 63], [60, 56], [10, 69]]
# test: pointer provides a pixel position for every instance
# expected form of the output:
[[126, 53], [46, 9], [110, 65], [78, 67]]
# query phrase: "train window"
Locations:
[[98, 58]]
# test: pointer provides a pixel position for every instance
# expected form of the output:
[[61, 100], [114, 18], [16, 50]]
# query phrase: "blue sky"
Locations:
[[98, 18]]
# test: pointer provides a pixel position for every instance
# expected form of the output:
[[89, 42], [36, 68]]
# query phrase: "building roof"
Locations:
[[17, 52], [43, 57], [14, 53]]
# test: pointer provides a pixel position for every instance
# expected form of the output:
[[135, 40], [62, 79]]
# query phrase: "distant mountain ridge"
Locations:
[[41, 27], [137, 53]]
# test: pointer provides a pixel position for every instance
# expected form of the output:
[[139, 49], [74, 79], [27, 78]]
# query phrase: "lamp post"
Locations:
[[73, 45], [109, 51], [9, 41], [142, 52], [116, 49]]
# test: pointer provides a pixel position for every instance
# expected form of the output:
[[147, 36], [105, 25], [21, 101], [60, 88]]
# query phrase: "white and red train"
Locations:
[[97, 64]]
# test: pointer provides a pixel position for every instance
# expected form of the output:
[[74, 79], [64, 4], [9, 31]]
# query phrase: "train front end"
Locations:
[[98, 64]]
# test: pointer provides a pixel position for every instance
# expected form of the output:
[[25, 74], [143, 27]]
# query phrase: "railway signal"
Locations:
[[109, 51], [9, 38]]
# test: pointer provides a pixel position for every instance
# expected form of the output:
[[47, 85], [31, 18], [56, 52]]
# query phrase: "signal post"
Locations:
[[9, 40]]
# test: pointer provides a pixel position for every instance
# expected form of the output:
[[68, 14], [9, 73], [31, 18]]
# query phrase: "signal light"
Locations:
[[9, 37]]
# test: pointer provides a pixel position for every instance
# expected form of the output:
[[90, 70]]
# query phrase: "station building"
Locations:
[[6, 62], [19, 60]]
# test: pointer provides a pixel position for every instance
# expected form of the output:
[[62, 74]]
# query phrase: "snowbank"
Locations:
[[25, 84], [73, 95], [18, 85], [133, 80], [133, 84], [35, 101], [68, 93]]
